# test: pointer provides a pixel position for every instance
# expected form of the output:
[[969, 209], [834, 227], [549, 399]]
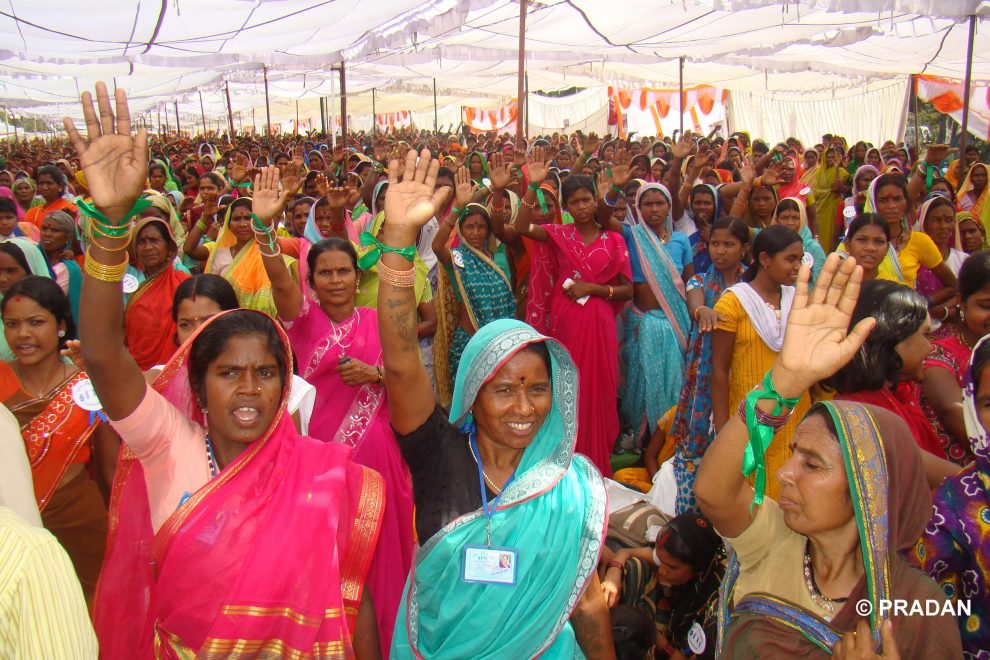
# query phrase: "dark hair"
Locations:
[[633, 633], [7, 205], [215, 178], [161, 226], [157, 166], [573, 184], [213, 338], [865, 220], [981, 357], [302, 200], [787, 204], [974, 274], [771, 241], [946, 182], [212, 286], [47, 294], [899, 312], [540, 348], [55, 173], [893, 179], [332, 244], [937, 201], [737, 227], [240, 201], [17, 254], [445, 172], [972, 147]]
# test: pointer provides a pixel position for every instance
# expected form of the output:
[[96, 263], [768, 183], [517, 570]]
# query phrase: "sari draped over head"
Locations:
[[37, 265], [699, 245], [72, 270], [654, 342], [231, 573], [851, 200], [171, 181], [484, 165], [164, 204], [247, 271], [26, 229], [953, 549], [980, 209], [814, 255], [149, 330], [891, 504], [557, 553], [312, 236], [796, 187], [827, 202], [892, 262], [36, 214], [927, 283]]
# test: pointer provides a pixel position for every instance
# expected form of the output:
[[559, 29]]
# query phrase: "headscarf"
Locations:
[[797, 187], [484, 164], [557, 553], [9, 194], [961, 217], [37, 265], [980, 209], [919, 224], [690, 602], [312, 233], [814, 255], [165, 205]]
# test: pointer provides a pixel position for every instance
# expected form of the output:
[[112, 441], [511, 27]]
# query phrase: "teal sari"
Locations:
[[552, 513]]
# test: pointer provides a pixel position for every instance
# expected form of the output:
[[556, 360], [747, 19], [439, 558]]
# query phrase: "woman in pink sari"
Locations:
[[339, 352], [590, 278], [230, 534]]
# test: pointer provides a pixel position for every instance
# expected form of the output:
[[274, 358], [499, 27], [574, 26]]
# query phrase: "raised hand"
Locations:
[[537, 166], [684, 147], [499, 171], [338, 154], [936, 153], [464, 188], [322, 185], [748, 172], [115, 164], [771, 176], [590, 143], [238, 172], [337, 197], [268, 201], [621, 172], [412, 198], [602, 184]]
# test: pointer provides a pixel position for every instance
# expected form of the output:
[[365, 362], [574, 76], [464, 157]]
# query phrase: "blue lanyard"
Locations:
[[489, 509]]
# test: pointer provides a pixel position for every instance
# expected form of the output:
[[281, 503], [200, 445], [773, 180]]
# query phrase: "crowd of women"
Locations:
[[282, 398]]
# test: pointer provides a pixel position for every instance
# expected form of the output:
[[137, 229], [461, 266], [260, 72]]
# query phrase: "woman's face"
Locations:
[[208, 189], [242, 390], [324, 220], [475, 167], [53, 239], [978, 178], [240, 223], [970, 236], [657, 171], [939, 224], [762, 202], [380, 199], [31, 330], [581, 206], [672, 572], [23, 193], [703, 207], [873, 158], [156, 178], [891, 204], [541, 218], [311, 188], [654, 209], [830, 158], [782, 268], [192, 178], [334, 278], [300, 214], [608, 152], [914, 350], [511, 407], [810, 159], [5, 179], [11, 272], [49, 188], [207, 163], [474, 229], [976, 309], [868, 246], [153, 251], [860, 152], [192, 313], [790, 219], [787, 169], [725, 249], [620, 210], [864, 180], [814, 491]]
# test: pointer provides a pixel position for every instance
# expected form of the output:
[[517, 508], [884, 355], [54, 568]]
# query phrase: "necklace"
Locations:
[[46, 385], [339, 332], [211, 457], [820, 599], [491, 484]]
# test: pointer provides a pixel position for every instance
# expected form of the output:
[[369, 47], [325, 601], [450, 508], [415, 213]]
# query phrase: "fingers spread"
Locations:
[[106, 111], [123, 113], [89, 113], [77, 141]]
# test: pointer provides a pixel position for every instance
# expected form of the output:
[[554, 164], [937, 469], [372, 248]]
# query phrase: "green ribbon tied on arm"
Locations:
[[541, 200], [89, 209], [371, 257], [929, 176], [760, 435]]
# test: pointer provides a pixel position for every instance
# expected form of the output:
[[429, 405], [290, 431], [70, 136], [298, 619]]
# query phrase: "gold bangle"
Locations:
[[95, 225], [113, 273], [402, 279], [93, 241]]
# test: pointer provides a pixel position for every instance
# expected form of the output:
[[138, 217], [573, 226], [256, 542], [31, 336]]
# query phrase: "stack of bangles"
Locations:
[[266, 238], [401, 279], [776, 422], [100, 226]]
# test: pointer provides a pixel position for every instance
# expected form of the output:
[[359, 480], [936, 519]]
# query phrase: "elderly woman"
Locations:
[[853, 499], [24, 190], [490, 481], [60, 241]]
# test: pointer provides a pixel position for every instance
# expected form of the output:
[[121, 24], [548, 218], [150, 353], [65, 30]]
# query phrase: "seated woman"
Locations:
[[853, 500], [953, 549], [216, 493], [676, 582], [489, 483]]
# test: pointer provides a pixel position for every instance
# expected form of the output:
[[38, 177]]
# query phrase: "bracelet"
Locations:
[[696, 313], [90, 210], [758, 182], [609, 204], [611, 291], [615, 564], [529, 205], [616, 189], [456, 211], [761, 435], [776, 422], [400, 279], [201, 226], [381, 376], [104, 272], [946, 316], [109, 231], [276, 250], [372, 257], [127, 243]]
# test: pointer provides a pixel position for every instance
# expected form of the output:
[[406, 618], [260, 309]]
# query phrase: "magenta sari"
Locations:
[[588, 331], [358, 418], [268, 559]]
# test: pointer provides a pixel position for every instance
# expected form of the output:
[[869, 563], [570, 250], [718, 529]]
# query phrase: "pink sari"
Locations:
[[234, 572], [589, 332], [358, 418]]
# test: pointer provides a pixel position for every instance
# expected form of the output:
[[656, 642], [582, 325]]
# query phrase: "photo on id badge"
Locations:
[[485, 565]]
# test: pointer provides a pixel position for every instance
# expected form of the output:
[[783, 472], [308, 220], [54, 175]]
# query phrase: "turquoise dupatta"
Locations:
[[553, 513]]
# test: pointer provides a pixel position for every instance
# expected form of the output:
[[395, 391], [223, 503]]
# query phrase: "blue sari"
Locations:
[[552, 512]]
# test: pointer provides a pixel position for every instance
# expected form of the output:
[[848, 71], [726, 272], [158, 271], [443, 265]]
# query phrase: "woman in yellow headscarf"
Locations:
[[972, 195]]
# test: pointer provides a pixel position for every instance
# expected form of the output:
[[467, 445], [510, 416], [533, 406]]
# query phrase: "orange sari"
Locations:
[[148, 326], [37, 214]]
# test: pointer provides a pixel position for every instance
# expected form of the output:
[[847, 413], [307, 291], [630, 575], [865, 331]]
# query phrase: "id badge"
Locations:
[[484, 565]]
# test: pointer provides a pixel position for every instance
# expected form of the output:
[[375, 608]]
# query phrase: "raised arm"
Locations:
[[680, 151], [538, 170], [500, 173], [740, 204], [464, 192], [410, 202], [267, 204], [816, 345], [116, 167]]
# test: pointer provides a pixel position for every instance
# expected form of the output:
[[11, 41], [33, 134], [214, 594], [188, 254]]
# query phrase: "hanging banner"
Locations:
[[393, 121], [947, 97], [656, 112], [501, 120]]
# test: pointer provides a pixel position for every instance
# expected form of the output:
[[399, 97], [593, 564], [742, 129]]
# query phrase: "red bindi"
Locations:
[[17, 299]]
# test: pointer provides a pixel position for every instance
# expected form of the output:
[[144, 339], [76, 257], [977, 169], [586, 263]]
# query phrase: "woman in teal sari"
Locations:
[[510, 520], [791, 213]]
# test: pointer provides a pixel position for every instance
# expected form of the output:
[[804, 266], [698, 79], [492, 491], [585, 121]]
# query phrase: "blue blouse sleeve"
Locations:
[[680, 250], [636, 267]]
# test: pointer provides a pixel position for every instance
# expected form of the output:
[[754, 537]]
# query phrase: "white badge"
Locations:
[[85, 396], [849, 212], [696, 639], [458, 258], [489, 565], [807, 260], [129, 283], [804, 191]]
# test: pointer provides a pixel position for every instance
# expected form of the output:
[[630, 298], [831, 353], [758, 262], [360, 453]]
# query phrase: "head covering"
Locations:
[[534, 613], [981, 208], [35, 257], [9, 194], [164, 205], [312, 233], [814, 255], [669, 220]]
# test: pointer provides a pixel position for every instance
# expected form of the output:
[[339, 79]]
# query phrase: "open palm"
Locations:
[[412, 199], [268, 201]]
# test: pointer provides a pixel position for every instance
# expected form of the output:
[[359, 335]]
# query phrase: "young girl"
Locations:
[[692, 429], [752, 316], [867, 241]]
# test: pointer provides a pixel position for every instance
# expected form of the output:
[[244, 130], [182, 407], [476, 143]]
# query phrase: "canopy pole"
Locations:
[[177, 129], [230, 112], [374, 116], [160, 120], [526, 106], [323, 116], [914, 98], [435, 116], [343, 105], [166, 118], [680, 88], [966, 85], [268, 106], [297, 116], [202, 113], [520, 90]]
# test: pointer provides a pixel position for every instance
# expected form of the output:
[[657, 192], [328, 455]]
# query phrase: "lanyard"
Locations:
[[489, 509]]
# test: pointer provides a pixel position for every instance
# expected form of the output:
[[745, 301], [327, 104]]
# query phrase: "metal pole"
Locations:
[[159, 120], [166, 120], [435, 127], [343, 105], [966, 90], [323, 116], [230, 112], [917, 133], [526, 106], [374, 115], [680, 87], [202, 112], [177, 129], [268, 106], [297, 116], [520, 88]]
